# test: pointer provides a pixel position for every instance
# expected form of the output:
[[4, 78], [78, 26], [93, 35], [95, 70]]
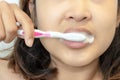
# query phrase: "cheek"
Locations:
[[53, 46], [105, 26], [104, 14], [104, 21], [49, 19]]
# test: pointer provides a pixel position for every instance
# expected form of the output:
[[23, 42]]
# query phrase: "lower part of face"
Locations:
[[97, 17]]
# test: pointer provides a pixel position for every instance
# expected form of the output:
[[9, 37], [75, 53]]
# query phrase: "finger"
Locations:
[[2, 31], [9, 22], [26, 23]]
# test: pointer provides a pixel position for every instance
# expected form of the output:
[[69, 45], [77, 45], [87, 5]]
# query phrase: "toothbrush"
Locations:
[[73, 36]]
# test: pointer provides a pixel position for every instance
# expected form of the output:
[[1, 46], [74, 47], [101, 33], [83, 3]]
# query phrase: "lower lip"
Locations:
[[73, 44]]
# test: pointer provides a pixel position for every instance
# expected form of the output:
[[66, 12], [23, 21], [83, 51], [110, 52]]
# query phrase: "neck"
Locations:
[[88, 72]]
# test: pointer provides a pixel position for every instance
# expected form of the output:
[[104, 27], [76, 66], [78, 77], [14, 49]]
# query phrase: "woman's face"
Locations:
[[97, 17]]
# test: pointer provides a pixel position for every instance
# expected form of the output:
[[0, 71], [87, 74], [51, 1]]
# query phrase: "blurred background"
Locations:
[[12, 1], [6, 48]]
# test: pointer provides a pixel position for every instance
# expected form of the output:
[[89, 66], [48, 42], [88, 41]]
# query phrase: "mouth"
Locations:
[[79, 44]]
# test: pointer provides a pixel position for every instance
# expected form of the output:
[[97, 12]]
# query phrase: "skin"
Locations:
[[9, 14], [97, 16], [60, 15], [4, 70]]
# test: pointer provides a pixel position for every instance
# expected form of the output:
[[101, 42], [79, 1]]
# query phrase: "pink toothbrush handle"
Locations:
[[37, 34]]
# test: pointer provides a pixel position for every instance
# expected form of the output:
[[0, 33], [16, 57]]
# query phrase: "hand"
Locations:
[[9, 15]]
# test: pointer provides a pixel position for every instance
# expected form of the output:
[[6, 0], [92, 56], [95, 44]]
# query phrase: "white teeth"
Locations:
[[90, 39]]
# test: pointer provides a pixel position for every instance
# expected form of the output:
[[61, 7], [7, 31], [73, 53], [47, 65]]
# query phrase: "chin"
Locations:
[[77, 62]]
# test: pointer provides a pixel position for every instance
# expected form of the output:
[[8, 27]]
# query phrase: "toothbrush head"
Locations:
[[74, 37], [79, 37]]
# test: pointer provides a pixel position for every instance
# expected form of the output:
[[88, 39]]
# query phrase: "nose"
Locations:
[[78, 12]]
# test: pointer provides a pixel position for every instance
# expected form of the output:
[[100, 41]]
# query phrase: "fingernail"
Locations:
[[29, 42]]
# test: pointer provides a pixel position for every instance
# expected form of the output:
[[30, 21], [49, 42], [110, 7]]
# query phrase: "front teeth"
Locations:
[[90, 39]]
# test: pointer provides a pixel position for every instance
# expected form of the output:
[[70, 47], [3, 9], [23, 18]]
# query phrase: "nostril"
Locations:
[[84, 18], [78, 19], [71, 17]]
